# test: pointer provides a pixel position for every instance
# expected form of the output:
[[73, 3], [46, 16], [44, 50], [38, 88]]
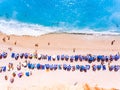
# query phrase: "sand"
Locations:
[[53, 44]]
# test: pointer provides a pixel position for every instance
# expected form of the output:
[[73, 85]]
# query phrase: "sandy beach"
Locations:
[[54, 44]]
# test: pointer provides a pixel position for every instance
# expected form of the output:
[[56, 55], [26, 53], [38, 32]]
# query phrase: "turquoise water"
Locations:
[[36, 17]]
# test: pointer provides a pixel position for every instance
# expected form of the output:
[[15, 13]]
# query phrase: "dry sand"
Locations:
[[53, 44]]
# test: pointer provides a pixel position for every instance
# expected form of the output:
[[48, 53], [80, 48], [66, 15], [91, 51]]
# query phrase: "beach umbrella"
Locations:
[[49, 58], [30, 56], [98, 67], [64, 66], [111, 67], [38, 66], [27, 74], [29, 65], [73, 68], [116, 57], [94, 67], [77, 67], [39, 56], [87, 67], [68, 67], [76, 57], [47, 66], [80, 58], [99, 57], [82, 68], [4, 68], [20, 74], [66, 57], [13, 55], [43, 67], [16, 56], [4, 54], [111, 57], [71, 58], [55, 66], [32, 66], [24, 64], [116, 67], [26, 55], [53, 57], [21, 55], [58, 57], [106, 58], [91, 59], [51, 67], [103, 67], [59, 67], [62, 57], [18, 67]]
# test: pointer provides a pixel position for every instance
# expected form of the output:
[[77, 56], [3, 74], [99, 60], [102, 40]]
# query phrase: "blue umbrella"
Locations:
[[55, 66], [47, 66], [49, 58], [4, 68], [91, 59], [38, 66], [71, 58], [116, 57], [80, 58], [58, 57], [68, 68], [21, 55], [59, 67], [62, 57], [43, 67], [51, 67], [4, 54], [27, 74], [111, 67], [116, 67], [82, 68], [64, 66], [94, 67], [87, 67], [98, 67], [99, 57], [77, 67], [76, 57], [103, 67], [26, 55], [13, 55], [29, 65], [66, 57], [16, 56]]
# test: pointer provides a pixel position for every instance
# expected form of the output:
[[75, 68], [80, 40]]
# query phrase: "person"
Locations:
[[4, 40], [6, 77], [112, 42]]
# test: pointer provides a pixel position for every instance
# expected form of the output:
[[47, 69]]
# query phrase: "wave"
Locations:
[[19, 28]]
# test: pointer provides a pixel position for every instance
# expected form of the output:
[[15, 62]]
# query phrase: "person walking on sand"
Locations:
[[112, 42]]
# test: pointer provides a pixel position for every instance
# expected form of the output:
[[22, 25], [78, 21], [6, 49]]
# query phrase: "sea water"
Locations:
[[37, 17]]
